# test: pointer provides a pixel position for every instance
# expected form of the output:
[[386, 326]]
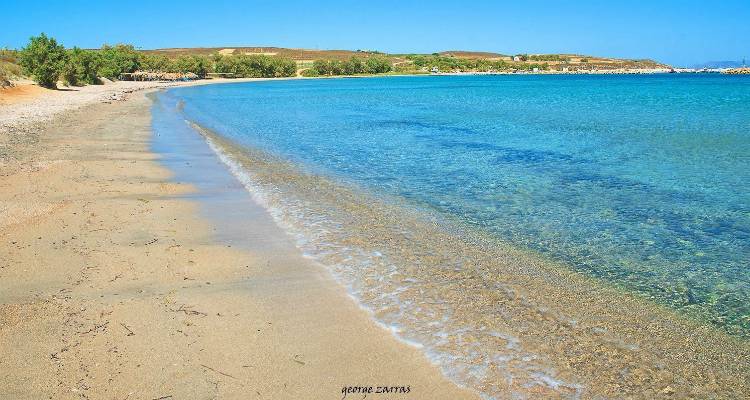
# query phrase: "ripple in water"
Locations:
[[496, 318]]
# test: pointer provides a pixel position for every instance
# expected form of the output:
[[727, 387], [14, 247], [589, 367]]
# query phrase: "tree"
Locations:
[[373, 65], [354, 66], [283, 67], [251, 66], [201, 66], [337, 67], [322, 67], [43, 59], [154, 63], [222, 64], [118, 59], [80, 67], [377, 65], [196, 64]]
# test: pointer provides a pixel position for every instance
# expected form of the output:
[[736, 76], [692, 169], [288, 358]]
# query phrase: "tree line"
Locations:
[[447, 63], [47, 61], [548, 57], [352, 66]]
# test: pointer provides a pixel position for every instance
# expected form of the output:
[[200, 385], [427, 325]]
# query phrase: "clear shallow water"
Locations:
[[644, 181], [402, 185]]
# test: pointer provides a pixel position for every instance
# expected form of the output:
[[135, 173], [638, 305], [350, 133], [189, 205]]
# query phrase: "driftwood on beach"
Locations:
[[158, 76]]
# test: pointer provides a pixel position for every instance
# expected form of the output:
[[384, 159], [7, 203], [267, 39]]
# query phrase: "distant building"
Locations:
[[516, 58], [435, 70]]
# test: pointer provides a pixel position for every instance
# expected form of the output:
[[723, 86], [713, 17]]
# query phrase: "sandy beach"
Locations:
[[319, 201], [113, 286]]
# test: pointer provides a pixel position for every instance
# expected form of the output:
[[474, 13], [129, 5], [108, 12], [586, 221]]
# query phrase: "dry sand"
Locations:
[[22, 93], [112, 286]]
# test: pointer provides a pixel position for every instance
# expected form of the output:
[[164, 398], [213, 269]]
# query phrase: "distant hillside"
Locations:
[[473, 54], [305, 56], [125, 61], [294, 54]]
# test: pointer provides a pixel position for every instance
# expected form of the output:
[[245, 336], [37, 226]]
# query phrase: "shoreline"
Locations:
[[611, 330], [112, 285], [41, 105], [600, 330], [161, 183]]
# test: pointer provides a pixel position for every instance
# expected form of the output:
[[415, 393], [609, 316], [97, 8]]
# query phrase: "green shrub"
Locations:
[[155, 63], [284, 67], [198, 65], [445, 64], [310, 73], [43, 59], [80, 67], [440, 62], [354, 66], [222, 64], [118, 59], [322, 67], [255, 66], [548, 57], [378, 65]]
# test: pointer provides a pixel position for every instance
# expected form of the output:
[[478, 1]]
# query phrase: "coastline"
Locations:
[[112, 286], [21, 111], [56, 173], [606, 342], [619, 343]]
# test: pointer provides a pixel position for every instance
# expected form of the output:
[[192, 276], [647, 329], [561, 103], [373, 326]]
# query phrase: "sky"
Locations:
[[681, 33]]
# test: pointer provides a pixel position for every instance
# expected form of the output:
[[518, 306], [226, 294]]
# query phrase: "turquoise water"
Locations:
[[535, 236], [642, 181]]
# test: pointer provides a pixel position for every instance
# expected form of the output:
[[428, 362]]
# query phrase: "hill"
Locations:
[[294, 54], [127, 62], [303, 56]]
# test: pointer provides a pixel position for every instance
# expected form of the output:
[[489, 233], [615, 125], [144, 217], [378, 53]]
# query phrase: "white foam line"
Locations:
[[305, 243], [257, 195]]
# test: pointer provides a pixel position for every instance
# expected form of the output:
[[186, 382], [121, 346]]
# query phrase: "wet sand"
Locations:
[[113, 285]]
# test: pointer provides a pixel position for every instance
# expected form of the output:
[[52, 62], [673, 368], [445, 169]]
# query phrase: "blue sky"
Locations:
[[677, 32]]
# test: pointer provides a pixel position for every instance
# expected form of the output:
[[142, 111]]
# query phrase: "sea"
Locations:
[[537, 236]]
